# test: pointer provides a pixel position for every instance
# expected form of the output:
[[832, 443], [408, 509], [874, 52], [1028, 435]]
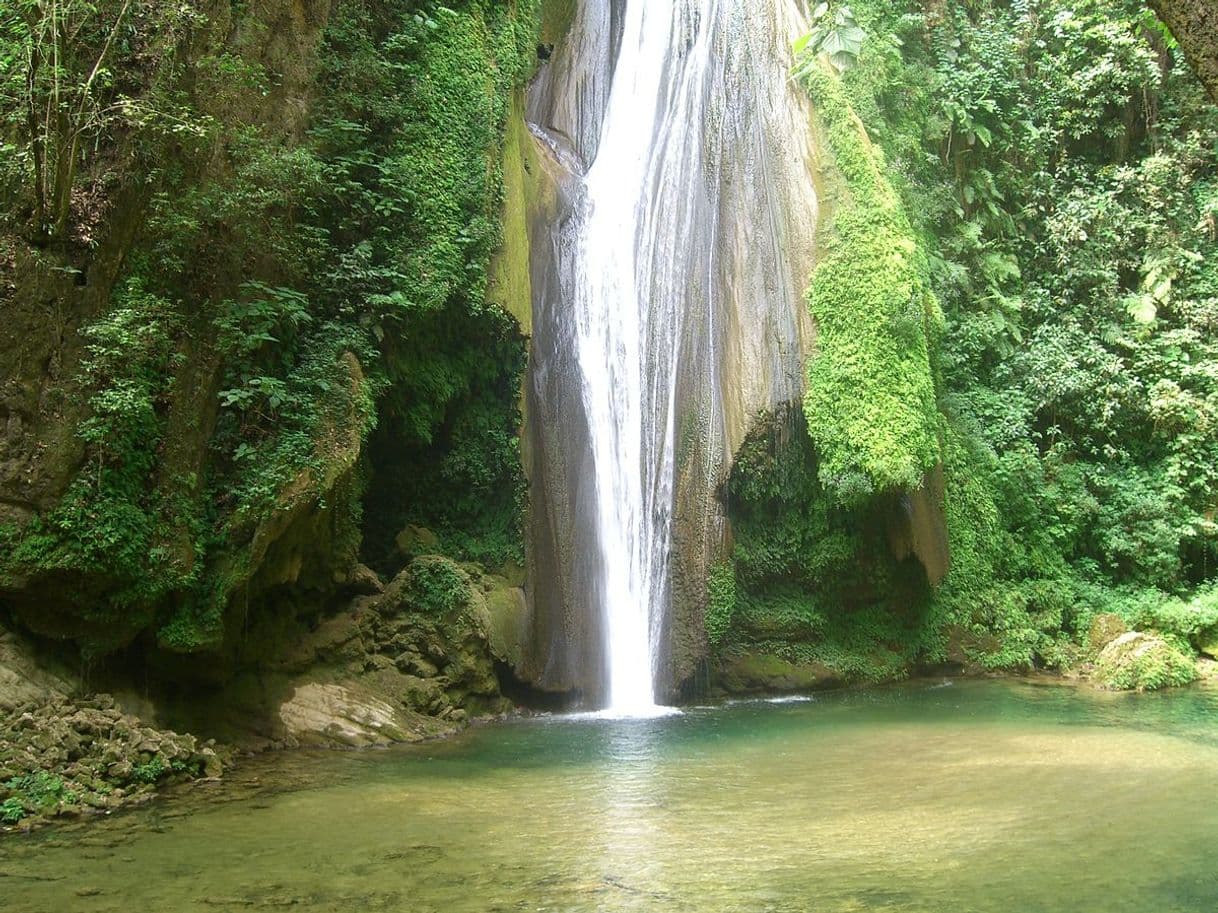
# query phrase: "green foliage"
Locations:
[[835, 34], [437, 587], [294, 282], [77, 77], [1061, 171], [420, 114], [1144, 664], [155, 769], [12, 810], [870, 403], [40, 790], [113, 517], [811, 580], [721, 601]]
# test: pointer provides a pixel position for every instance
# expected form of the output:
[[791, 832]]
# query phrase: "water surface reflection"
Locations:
[[983, 796]]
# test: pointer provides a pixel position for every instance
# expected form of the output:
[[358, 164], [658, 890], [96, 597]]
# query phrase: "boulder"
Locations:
[[323, 714], [1206, 641], [764, 673], [364, 581], [1104, 629], [503, 616], [416, 540], [1138, 661]]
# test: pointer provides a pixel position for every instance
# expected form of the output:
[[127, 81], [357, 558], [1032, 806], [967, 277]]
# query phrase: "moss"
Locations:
[[510, 282], [556, 19], [765, 672], [1142, 662], [870, 403], [437, 587], [721, 601], [814, 582]]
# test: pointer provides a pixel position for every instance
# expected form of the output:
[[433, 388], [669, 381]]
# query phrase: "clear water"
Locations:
[[978, 796]]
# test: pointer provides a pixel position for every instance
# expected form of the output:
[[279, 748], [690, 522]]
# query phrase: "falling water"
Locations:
[[624, 351], [667, 309]]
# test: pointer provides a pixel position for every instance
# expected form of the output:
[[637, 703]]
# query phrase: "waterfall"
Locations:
[[667, 312], [625, 342]]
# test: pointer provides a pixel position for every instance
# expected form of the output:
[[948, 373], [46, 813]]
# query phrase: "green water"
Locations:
[[977, 796]]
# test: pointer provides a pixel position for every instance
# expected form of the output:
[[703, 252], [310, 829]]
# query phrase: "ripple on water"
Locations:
[[986, 796]]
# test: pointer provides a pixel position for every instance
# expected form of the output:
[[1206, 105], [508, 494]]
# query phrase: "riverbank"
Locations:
[[66, 759]]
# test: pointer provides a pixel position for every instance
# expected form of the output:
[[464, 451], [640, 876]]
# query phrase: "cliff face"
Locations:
[[109, 393], [279, 242], [1194, 23]]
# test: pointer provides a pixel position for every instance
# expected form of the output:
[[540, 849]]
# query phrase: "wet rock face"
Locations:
[[768, 674], [64, 757], [727, 243]]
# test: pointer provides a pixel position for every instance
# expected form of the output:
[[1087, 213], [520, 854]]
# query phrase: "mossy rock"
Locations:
[[417, 540], [1136, 661], [431, 586], [1104, 630], [503, 616], [761, 673], [1206, 641]]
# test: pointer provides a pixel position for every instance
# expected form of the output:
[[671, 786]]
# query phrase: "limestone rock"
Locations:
[[364, 581], [26, 678], [324, 714]]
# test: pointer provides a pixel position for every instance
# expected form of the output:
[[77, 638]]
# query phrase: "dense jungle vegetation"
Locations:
[[1058, 162], [306, 223], [270, 238]]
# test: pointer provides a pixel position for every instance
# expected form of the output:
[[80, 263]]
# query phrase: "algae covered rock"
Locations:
[[1104, 629], [1206, 641], [763, 673], [1137, 661], [62, 756], [416, 540], [505, 621]]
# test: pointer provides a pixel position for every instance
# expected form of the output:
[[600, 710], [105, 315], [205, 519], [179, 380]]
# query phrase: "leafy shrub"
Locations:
[[721, 601], [40, 790], [12, 810], [438, 587]]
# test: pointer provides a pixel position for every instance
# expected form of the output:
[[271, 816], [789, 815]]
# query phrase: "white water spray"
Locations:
[[681, 260], [612, 315]]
